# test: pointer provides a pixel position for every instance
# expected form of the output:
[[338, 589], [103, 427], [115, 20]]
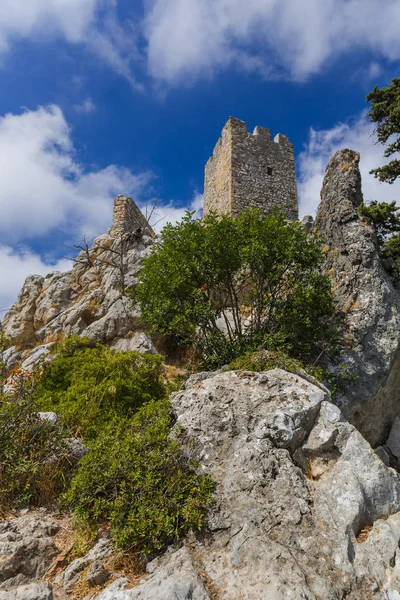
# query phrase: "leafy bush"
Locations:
[[386, 220], [88, 384], [336, 380], [34, 459], [264, 360], [229, 285], [140, 481]]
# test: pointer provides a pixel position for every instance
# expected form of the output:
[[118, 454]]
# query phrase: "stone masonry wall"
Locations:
[[250, 170], [128, 218]]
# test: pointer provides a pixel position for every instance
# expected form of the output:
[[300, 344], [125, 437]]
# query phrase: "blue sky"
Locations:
[[100, 97]]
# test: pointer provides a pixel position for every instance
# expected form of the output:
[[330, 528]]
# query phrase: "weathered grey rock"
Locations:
[[308, 223], [87, 300], [76, 449], [139, 341], [21, 316], [11, 357], [37, 356], [32, 591], [176, 577], [366, 299], [97, 574], [274, 533], [383, 455], [393, 441], [48, 417], [27, 548], [70, 576], [326, 531]]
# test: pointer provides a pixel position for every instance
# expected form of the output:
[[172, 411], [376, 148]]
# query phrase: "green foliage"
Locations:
[[385, 111], [34, 459], [138, 479], [336, 380], [264, 360], [88, 384], [229, 285], [386, 219], [5, 341], [339, 379]]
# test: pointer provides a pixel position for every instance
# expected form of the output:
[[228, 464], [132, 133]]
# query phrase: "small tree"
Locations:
[[385, 111], [228, 285], [386, 219]]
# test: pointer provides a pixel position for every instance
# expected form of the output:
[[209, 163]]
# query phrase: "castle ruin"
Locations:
[[250, 170], [127, 217]]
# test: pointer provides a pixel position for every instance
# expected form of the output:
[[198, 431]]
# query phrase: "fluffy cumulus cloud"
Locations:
[[21, 19], [189, 38], [44, 187], [357, 135], [47, 197], [162, 214]]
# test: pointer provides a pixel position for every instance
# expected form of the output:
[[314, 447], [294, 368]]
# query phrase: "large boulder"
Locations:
[[304, 509], [365, 299]]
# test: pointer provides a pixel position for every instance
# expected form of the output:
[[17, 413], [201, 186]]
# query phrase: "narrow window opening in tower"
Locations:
[[270, 171]]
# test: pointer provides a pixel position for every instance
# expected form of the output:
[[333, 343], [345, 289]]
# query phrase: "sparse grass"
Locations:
[[26, 339]]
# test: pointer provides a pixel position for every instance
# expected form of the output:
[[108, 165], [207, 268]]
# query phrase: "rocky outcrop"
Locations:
[[304, 509], [27, 550], [366, 299], [89, 300]]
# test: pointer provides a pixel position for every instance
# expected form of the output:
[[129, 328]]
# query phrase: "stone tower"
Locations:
[[250, 169], [128, 218]]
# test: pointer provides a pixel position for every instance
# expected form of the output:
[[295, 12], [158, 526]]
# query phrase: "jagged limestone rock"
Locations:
[[27, 550], [303, 509], [366, 299], [87, 300], [176, 576], [32, 591], [277, 530]]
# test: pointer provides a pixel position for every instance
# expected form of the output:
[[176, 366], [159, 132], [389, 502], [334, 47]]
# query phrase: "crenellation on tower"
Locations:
[[250, 170]]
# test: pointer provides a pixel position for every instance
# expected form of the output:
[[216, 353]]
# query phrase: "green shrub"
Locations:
[[229, 285], [264, 360], [141, 482], [88, 385], [336, 380], [34, 459]]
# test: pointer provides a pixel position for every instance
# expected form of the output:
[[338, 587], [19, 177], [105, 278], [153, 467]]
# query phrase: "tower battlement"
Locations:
[[250, 170]]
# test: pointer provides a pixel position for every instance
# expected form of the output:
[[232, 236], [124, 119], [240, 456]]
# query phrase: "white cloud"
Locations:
[[169, 213], [45, 193], [15, 265], [42, 184], [86, 107], [357, 135], [191, 38], [69, 18]]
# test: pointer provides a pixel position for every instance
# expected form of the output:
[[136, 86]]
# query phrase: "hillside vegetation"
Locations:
[[245, 292]]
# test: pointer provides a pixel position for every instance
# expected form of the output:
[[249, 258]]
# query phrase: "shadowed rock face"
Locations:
[[366, 298]]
